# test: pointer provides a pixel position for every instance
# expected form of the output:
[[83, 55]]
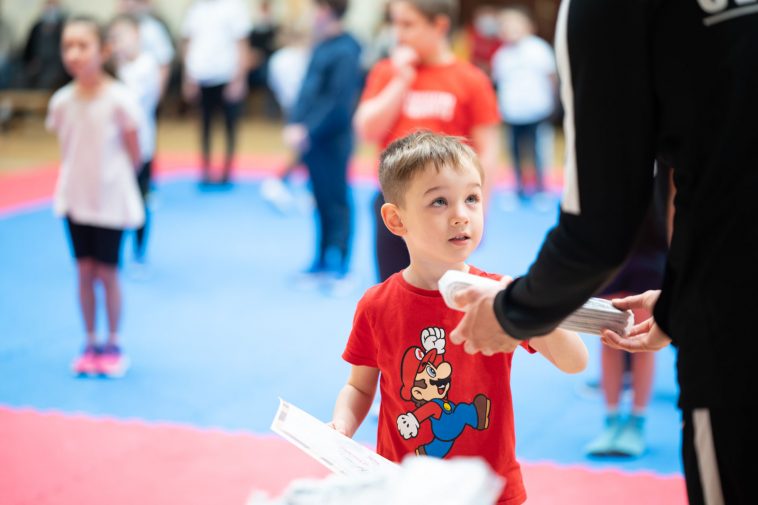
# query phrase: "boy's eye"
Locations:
[[439, 202], [431, 371], [472, 198]]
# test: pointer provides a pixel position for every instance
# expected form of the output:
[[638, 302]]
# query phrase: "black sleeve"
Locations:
[[604, 62]]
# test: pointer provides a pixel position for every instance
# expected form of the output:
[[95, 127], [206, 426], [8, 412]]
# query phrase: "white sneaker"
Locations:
[[276, 192]]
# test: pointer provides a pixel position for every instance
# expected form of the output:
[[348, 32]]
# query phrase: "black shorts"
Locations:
[[94, 242]]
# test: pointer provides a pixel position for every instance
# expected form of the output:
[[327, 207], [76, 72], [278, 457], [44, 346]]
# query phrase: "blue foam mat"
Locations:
[[217, 332]]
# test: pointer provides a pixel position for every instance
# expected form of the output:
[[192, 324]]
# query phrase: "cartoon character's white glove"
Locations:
[[407, 424], [433, 338]]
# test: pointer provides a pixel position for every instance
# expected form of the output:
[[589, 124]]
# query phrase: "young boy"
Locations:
[[436, 399], [424, 86], [141, 73], [320, 129]]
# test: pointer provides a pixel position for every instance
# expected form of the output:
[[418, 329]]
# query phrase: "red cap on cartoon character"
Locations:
[[414, 361]]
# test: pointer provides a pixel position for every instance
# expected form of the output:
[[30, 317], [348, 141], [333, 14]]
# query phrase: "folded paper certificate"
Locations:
[[335, 451]]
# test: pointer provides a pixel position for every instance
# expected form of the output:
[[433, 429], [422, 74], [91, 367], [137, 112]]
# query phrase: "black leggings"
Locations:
[[391, 251], [212, 99]]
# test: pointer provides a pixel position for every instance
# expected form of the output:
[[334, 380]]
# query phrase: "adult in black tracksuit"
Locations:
[[321, 127], [676, 79]]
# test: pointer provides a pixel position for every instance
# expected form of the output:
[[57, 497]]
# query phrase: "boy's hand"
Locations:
[[645, 336], [405, 60], [235, 90], [296, 137], [407, 425], [338, 426], [479, 330]]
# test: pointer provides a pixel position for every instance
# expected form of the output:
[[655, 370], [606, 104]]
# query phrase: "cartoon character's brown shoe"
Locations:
[[421, 451], [482, 406]]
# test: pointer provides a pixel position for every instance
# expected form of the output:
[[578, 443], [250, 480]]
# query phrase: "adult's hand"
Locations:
[[479, 330], [646, 336]]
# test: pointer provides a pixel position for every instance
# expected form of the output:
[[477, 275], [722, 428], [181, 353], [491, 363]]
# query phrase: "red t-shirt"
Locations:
[[452, 99], [464, 404]]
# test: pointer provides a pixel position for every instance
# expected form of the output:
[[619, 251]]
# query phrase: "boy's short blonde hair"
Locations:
[[430, 9], [407, 156]]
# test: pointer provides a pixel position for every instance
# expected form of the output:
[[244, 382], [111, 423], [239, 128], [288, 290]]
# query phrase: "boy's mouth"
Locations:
[[459, 239]]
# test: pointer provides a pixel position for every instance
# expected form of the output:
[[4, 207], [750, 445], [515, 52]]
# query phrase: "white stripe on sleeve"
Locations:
[[570, 203]]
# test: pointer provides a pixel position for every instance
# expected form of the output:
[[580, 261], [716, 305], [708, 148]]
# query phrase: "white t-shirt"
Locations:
[[286, 71], [97, 184], [523, 73], [143, 77], [156, 40], [213, 29]]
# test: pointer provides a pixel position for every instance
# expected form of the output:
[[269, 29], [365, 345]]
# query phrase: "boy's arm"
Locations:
[[564, 349], [355, 399], [376, 116]]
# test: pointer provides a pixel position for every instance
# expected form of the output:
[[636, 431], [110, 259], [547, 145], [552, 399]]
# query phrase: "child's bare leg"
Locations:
[[643, 368], [86, 268], [612, 361], [109, 277]]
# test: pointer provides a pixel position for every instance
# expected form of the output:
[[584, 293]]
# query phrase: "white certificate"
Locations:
[[335, 451]]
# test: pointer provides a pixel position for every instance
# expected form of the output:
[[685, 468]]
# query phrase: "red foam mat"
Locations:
[[73, 459]]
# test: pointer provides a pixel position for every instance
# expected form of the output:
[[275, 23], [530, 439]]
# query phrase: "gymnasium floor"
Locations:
[[216, 333]]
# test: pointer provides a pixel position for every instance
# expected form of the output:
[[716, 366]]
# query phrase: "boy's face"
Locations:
[[125, 40], [443, 214], [514, 26], [414, 30]]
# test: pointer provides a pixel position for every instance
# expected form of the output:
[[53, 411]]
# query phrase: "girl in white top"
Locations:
[[96, 120], [141, 73]]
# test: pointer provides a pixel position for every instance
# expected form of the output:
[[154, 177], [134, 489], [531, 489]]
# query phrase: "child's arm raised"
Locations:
[[564, 349], [354, 401]]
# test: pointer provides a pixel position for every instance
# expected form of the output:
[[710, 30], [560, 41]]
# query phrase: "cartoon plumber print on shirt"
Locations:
[[426, 381]]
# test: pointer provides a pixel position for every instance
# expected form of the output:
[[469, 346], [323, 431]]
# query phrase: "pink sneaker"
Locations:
[[111, 362], [87, 363]]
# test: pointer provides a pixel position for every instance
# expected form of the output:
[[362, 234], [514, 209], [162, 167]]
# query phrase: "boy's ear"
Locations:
[[392, 219]]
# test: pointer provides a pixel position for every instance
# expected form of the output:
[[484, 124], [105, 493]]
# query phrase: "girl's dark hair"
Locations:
[[338, 7], [96, 26]]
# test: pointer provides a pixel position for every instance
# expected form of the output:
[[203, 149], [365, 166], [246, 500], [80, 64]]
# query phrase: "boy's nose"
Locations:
[[459, 217]]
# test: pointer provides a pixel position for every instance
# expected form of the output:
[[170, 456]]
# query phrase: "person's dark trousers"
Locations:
[[327, 163], [720, 455], [523, 140], [391, 251], [144, 179], [211, 100]]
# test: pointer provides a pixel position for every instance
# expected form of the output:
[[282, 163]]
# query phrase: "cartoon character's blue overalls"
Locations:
[[449, 426]]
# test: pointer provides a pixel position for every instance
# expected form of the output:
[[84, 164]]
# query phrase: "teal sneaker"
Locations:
[[631, 439], [604, 444]]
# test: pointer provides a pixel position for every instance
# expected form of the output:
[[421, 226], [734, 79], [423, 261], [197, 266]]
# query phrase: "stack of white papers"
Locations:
[[597, 315], [593, 317]]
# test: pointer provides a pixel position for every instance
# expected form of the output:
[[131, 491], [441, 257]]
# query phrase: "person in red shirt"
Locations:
[[423, 86], [436, 399]]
